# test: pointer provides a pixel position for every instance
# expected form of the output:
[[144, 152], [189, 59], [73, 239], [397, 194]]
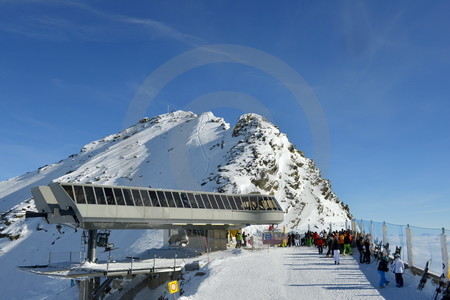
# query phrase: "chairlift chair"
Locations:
[[179, 239]]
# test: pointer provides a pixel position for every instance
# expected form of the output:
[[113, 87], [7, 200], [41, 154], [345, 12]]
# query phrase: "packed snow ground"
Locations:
[[294, 273], [269, 273]]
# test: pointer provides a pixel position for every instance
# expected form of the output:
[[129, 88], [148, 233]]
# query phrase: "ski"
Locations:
[[440, 286], [446, 293], [423, 280]]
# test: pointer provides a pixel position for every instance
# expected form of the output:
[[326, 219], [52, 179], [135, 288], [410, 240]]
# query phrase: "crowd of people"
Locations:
[[342, 242]]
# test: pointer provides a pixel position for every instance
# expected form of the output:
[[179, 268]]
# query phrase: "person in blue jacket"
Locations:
[[382, 269]]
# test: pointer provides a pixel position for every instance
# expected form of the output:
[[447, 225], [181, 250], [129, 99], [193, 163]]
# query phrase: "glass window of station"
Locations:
[[98, 195]]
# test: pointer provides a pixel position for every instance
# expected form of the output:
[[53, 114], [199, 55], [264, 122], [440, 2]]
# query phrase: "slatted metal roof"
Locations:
[[118, 207]]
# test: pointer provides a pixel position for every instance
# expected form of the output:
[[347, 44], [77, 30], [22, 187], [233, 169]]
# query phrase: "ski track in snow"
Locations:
[[202, 125]]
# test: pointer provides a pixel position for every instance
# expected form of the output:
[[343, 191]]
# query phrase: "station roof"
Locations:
[[92, 206]]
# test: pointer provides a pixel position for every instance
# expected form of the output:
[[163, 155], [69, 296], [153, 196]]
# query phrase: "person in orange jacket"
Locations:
[[347, 244], [341, 241]]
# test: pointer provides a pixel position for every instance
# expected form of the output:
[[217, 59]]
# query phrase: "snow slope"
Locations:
[[179, 150]]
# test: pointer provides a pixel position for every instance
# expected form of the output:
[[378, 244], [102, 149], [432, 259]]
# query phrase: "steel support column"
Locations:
[[92, 246]]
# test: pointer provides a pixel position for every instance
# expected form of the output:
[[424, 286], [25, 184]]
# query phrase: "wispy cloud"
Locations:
[[62, 27], [155, 27], [22, 119]]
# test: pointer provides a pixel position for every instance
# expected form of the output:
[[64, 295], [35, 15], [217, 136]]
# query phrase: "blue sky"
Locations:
[[69, 72]]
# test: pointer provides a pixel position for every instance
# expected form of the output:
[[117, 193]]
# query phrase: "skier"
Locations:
[[347, 241], [366, 250], [297, 239], [320, 242], [244, 239], [382, 269], [330, 241], [341, 238], [398, 267], [308, 238], [336, 250], [359, 245], [238, 240]]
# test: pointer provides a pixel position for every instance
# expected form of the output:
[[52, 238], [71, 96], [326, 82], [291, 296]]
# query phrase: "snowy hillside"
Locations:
[[179, 150]]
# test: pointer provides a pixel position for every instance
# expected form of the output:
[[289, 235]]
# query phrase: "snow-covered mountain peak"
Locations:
[[249, 123], [183, 150], [178, 150]]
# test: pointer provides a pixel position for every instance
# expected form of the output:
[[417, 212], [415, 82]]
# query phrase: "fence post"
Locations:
[[354, 226], [409, 246], [174, 262], [362, 226], [371, 232], [385, 235], [132, 260], [107, 262], [444, 249]]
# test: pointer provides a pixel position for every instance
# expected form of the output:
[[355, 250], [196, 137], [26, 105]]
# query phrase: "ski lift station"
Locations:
[[113, 207], [102, 207], [183, 213]]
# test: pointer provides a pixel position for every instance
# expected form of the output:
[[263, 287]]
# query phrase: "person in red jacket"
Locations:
[[319, 243], [315, 236]]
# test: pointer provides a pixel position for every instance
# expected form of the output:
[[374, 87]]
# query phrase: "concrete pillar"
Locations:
[[166, 235], [87, 288]]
